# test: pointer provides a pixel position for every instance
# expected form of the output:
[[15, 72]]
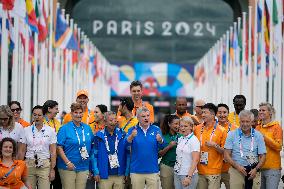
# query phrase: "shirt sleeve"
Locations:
[[276, 141], [229, 141], [23, 138], [61, 136], [195, 145], [223, 140], [261, 145], [25, 172], [53, 138]]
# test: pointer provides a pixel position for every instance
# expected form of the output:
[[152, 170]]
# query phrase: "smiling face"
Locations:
[[7, 149], [99, 116], [77, 115], [83, 100], [263, 113], [174, 125], [222, 115], [111, 122], [37, 116], [53, 111], [207, 115], [16, 111], [4, 119], [245, 123]]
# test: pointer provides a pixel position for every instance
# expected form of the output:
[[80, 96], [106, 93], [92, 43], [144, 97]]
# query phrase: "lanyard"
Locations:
[[251, 142], [89, 112], [229, 129], [211, 136], [78, 138], [48, 122], [187, 139], [127, 123], [9, 172], [115, 144]]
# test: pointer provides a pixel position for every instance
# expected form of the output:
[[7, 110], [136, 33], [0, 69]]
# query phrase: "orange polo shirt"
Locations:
[[14, 180], [186, 114], [226, 166], [234, 119], [87, 116], [215, 159], [273, 138], [24, 123], [96, 127]]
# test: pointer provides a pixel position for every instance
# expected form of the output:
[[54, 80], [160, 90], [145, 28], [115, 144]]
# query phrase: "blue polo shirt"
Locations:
[[111, 142], [232, 143], [67, 139], [144, 150]]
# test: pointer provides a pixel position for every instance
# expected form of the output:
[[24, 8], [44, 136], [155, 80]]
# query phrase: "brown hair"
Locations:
[[7, 139], [6, 110], [75, 106]]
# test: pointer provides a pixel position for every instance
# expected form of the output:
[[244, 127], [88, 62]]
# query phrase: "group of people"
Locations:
[[124, 149]]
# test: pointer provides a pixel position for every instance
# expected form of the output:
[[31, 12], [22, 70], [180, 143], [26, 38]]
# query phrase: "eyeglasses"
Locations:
[[199, 106], [16, 109], [4, 119]]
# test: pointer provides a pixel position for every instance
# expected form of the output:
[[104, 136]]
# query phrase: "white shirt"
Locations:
[[184, 151], [14, 134], [38, 142]]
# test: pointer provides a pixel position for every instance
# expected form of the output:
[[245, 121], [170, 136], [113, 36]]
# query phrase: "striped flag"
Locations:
[[42, 22], [31, 16]]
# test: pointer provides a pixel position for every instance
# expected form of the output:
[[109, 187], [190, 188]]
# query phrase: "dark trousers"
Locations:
[[248, 183]]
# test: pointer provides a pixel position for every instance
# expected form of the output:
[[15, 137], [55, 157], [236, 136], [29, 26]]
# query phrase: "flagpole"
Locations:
[[35, 74], [14, 83], [242, 74], [50, 54], [249, 92]]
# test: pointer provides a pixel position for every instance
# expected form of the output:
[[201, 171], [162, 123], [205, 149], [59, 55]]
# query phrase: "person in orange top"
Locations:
[[198, 109], [13, 173], [16, 108], [88, 116], [212, 138], [99, 123], [273, 138], [50, 110], [181, 110], [222, 115], [239, 105]]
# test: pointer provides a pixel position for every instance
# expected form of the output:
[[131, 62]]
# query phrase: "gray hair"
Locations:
[[107, 114], [246, 113], [187, 119], [270, 108], [141, 110]]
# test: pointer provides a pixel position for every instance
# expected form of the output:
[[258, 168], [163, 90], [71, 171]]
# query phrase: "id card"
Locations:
[[252, 159], [113, 160], [204, 158], [84, 153]]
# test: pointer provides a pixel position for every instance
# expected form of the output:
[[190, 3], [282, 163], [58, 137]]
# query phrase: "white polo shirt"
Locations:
[[184, 151], [14, 134], [38, 141]]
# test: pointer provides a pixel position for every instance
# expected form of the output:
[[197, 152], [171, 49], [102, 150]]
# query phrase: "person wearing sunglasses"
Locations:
[[8, 126], [38, 146], [16, 108], [13, 173], [198, 109]]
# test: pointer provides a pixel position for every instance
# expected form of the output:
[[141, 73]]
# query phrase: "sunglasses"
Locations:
[[199, 106], [36, 160], [16, 109]]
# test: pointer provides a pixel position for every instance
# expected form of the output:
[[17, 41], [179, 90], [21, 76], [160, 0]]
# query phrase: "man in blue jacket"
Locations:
[[145, 141], [109, 162]]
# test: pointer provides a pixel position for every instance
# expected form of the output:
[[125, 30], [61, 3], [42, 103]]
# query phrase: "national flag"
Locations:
[[231, 43], [42, 22], [266, 35], [275, 13], [64, 37], [259, 41], [94, 68], [10, 28], [224, 57], [8, 4], [31, 16]]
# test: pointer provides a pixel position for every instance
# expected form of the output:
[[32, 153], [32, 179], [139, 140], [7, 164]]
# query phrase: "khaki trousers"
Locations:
[[38, 176], [225, 178], [209, 181], [167, 176], [113, 182], [237, 180], [139, 181], [72, 179]]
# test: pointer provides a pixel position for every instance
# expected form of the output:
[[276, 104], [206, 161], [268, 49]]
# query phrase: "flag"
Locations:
[[64, 37], [259, 42], [266, 26], [94, 68], [42, 22], [11, 32], [8, 4], [31, 16], [231, 44], [275, 13], [224, 57]]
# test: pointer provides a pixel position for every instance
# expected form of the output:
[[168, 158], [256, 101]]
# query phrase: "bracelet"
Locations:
[[68, 162]]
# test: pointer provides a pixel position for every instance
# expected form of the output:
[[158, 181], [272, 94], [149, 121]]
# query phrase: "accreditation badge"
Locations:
[[204, 158], [84, 153], [252, 159], [113, 160]]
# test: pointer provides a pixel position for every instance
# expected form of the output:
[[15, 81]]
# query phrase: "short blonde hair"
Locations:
[[270, 108], [187, 119]]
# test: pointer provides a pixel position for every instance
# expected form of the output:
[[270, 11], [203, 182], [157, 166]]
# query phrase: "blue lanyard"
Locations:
[[229, 129], [9, 172], [251, 143]]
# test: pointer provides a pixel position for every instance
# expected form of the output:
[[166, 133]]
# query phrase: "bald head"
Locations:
[[198, 105], [181, 105]]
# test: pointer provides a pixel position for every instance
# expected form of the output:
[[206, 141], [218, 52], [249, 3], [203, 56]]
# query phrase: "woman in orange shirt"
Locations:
[[16, 108], [13, 173], [272, 134], [99, 123]]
